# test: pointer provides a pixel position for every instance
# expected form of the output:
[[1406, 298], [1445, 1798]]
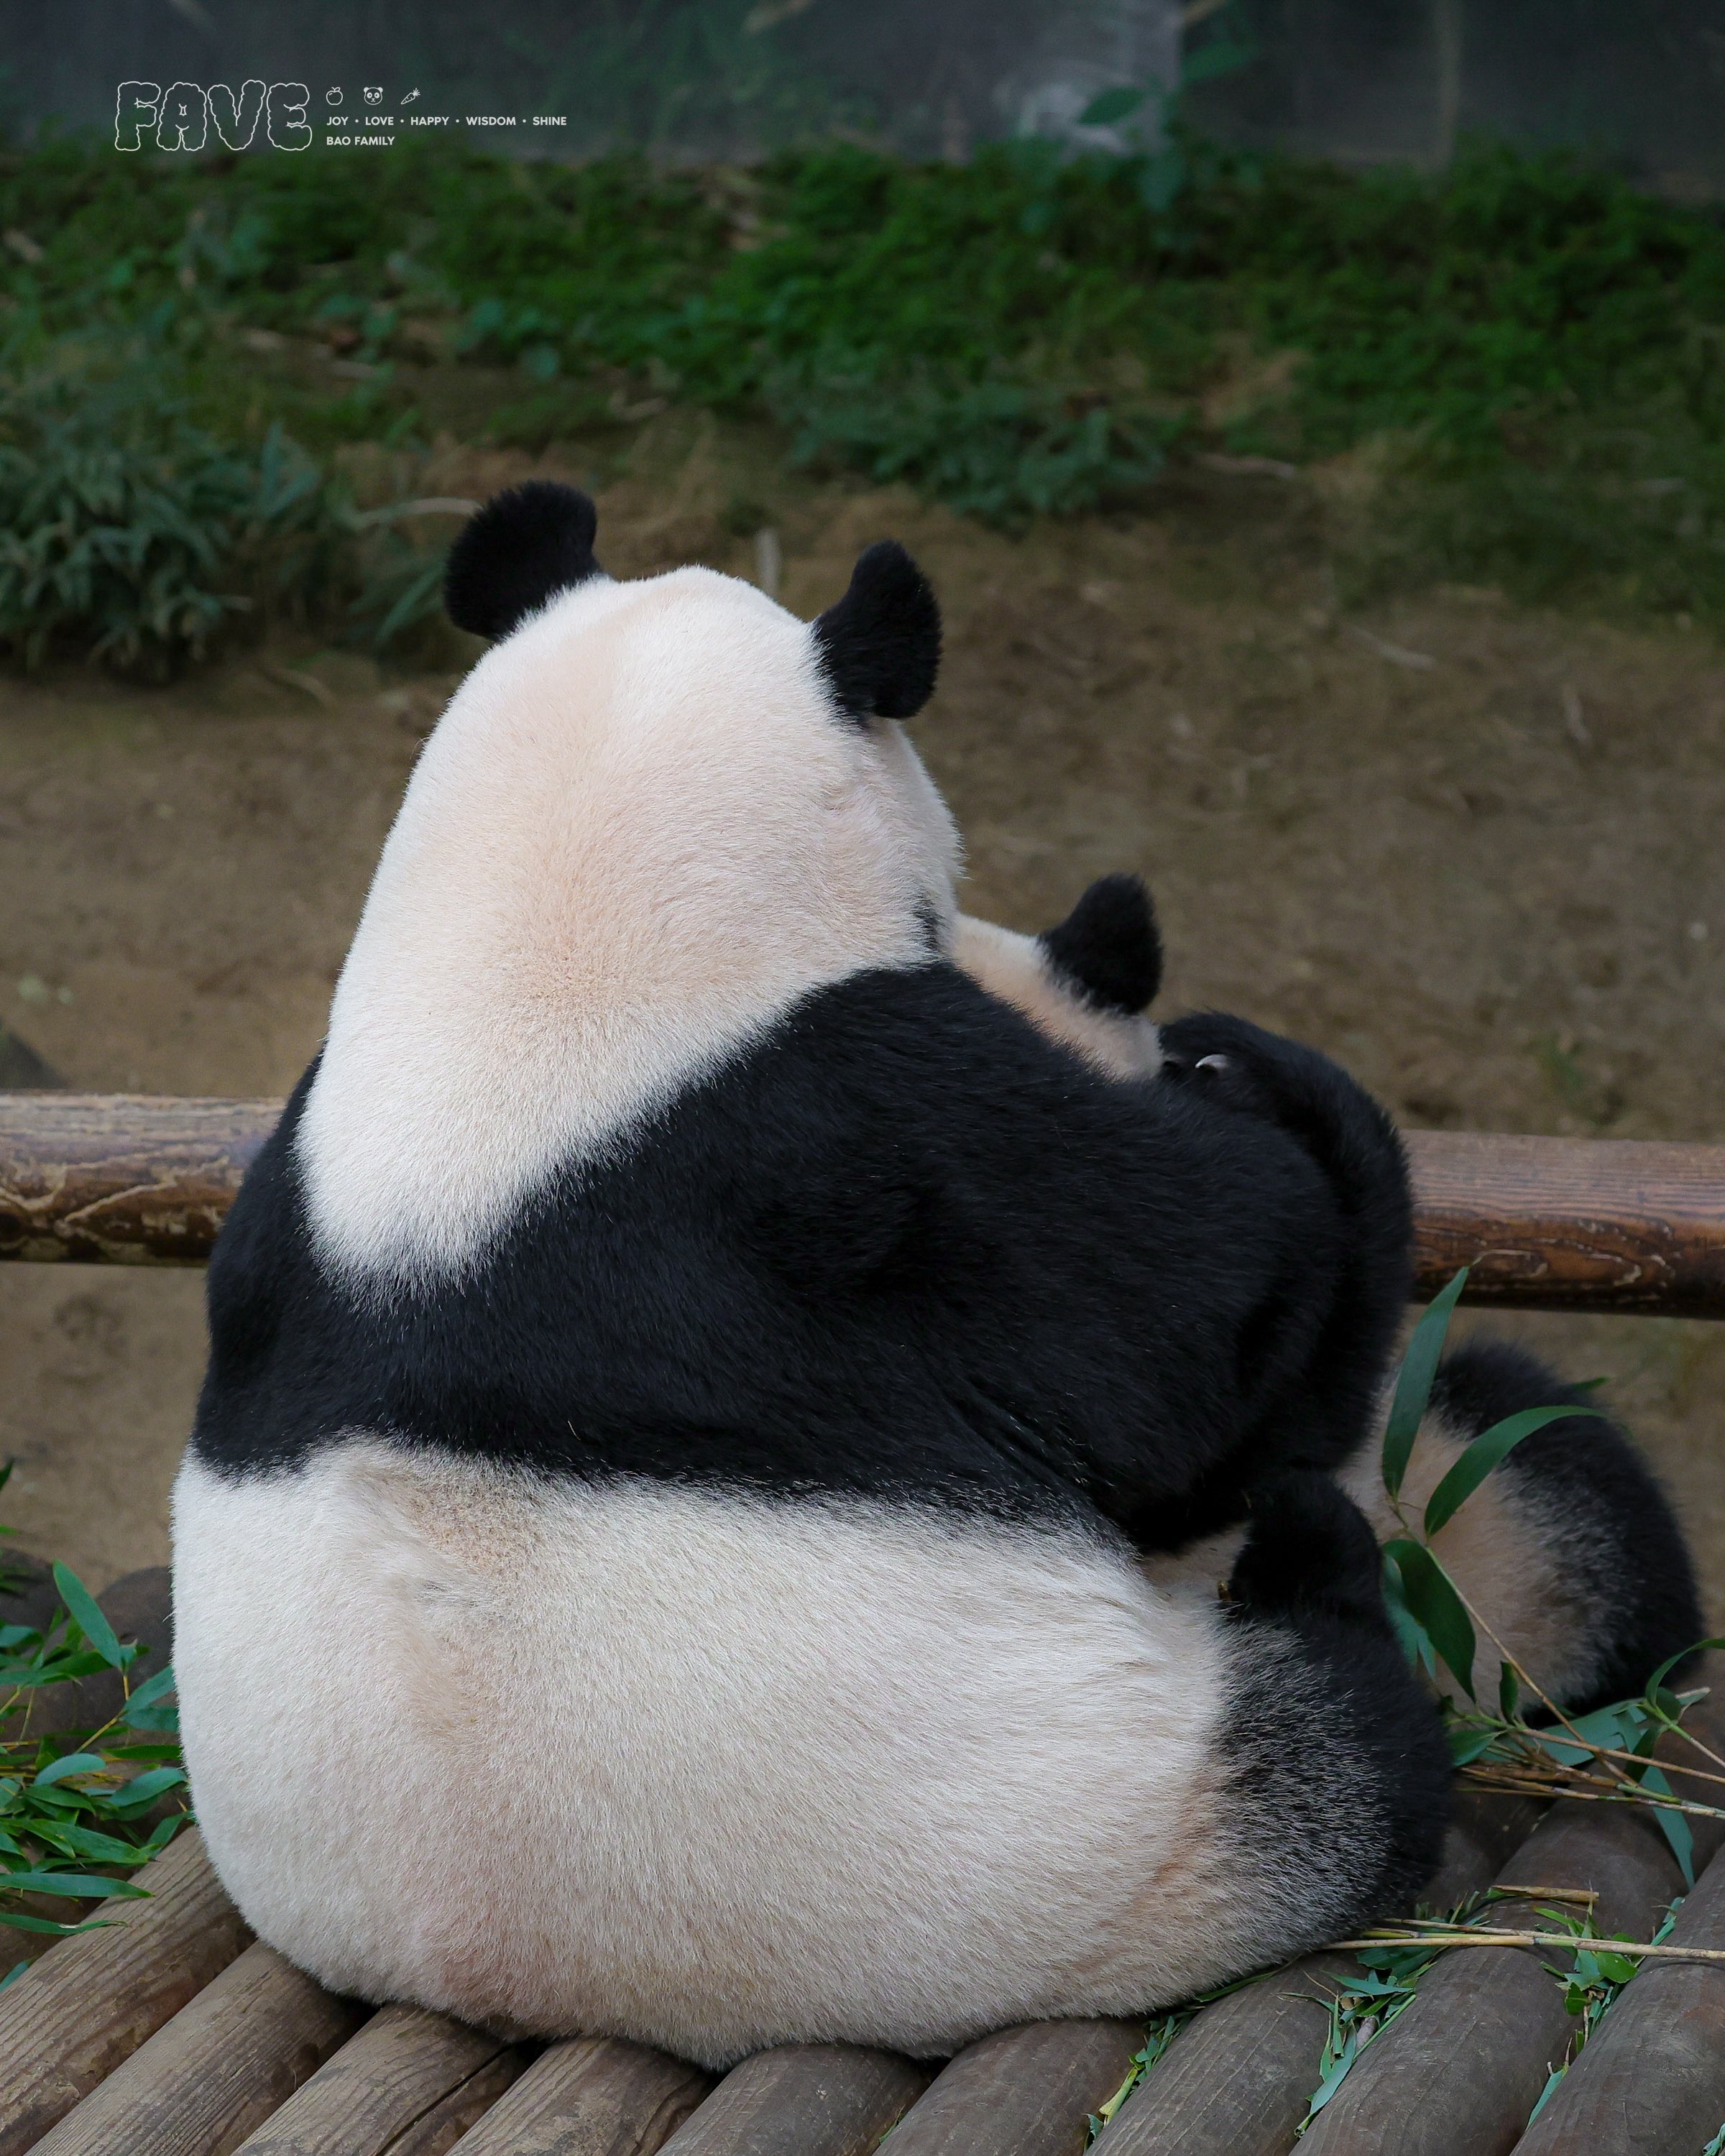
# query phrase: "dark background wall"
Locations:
[[1641, 80]]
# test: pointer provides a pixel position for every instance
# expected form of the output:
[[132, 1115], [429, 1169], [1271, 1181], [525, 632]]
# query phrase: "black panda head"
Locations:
[[879, 647], [525, 546]]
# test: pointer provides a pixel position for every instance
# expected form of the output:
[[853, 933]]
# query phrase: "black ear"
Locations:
[[524, 545], [1108, 947], [880, 646]]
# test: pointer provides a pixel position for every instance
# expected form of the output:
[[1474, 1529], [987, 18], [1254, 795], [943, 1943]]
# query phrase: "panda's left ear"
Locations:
[[879, 647], [523, 547]]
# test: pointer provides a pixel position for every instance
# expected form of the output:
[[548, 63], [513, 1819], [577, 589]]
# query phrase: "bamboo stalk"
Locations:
[[1572, 1942]]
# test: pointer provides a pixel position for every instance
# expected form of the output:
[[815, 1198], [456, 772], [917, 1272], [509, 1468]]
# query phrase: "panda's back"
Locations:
[[711, 1770]]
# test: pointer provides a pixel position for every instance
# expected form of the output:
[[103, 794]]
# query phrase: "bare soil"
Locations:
[[1472, 851]]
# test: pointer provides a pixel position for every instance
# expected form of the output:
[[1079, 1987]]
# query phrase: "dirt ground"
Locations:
[[1471, 851]]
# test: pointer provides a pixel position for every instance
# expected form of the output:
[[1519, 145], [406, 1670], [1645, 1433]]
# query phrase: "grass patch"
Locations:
[[1526, 354]]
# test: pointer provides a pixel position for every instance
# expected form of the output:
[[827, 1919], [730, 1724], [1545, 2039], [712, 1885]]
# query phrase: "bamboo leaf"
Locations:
[[19, 1922], [150, 1690], [1665, 1669], [1672, 1825], [1413, 1384], [74, 1762], [1408, 1628], [90, 1621], [1469, 1740], [138, 1795], [1434, 1603], [1483, 1455], [80, 1886]]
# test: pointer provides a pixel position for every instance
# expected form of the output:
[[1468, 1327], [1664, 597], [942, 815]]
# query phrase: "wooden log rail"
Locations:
[[1552, 1223]]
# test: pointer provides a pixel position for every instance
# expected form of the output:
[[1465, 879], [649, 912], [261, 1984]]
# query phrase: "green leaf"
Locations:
[[1468, 1740], [1335, 2074], [150, 1708], [1408, 1628], [80, 1886], [1112, 105], [150, 1690], [1509, 1692], [161, 1835], [1413, 1384], [90, 1621], [1483, 1455], [1672, 1825], [137, 1795], [1434, 1603], [74, 1762], [19, 1921], [1665, 1667]]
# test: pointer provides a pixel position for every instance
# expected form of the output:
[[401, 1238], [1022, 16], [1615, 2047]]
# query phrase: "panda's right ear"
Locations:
[[523, 547], [879, 647]]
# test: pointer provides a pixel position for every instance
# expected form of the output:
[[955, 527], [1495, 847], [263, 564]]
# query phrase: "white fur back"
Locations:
[[638, 835], [711, 1771]]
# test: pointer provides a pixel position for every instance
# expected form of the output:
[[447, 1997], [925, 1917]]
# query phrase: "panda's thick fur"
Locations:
[[732, 1387]]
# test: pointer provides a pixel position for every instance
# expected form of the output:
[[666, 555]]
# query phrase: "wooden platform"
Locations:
[[173, 2033]]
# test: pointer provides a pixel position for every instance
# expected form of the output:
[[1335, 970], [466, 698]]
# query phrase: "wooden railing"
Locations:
[[1556, 1224]]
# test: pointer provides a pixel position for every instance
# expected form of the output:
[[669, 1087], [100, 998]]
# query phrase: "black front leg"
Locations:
[[1319, 1414]]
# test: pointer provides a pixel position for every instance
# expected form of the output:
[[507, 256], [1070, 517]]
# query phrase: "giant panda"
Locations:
[[728, 1382]]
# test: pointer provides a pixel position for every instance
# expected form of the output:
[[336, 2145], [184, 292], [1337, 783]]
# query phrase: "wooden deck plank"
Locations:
[[593, 2096], [74, 2015], [1237, 2080], [219, 2068], [1582, 1223], [804, 2100], [1025, 2092], [1458, 2073], [1652, 2080], [410, 2083]]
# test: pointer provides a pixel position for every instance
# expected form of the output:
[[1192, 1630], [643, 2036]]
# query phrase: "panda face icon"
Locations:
[[375, 96]]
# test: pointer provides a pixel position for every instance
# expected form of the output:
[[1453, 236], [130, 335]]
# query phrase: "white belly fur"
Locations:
[[707, 1771]]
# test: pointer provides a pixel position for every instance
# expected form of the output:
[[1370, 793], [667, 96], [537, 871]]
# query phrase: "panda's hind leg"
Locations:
[[1337, 1763], [1568, 1551]]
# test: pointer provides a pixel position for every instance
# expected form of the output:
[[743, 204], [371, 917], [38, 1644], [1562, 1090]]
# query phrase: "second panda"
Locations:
[[707, 1370]]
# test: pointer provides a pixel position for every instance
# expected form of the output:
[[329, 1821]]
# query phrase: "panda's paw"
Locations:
[[1108, 947], [1308, 1550], [1244, 1066]]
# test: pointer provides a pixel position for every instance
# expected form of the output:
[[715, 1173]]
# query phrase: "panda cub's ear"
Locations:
[[879, 647], [1108, 947], [524, 545]]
